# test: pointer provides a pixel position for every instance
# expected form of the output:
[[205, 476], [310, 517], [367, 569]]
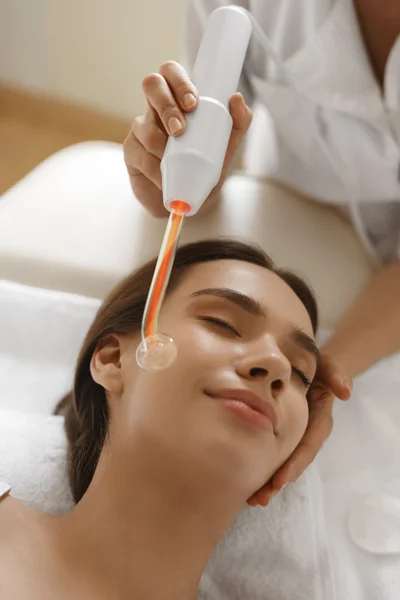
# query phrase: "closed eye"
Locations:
[[220, 323], [302, 376]]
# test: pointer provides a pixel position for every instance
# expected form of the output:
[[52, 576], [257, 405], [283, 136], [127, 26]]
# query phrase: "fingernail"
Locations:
[[174, 125], [189, 100]]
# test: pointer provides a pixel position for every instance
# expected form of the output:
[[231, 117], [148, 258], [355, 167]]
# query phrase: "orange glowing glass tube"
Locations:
[[163, 268]]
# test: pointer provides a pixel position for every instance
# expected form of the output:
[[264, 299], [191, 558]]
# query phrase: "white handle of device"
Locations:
[[192, 163]]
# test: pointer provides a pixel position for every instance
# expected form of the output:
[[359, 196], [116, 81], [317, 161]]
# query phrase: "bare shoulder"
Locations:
[[31, 565], [16, 547]]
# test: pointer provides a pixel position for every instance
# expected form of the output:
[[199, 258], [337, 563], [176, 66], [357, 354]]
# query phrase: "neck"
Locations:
[[144, 534]]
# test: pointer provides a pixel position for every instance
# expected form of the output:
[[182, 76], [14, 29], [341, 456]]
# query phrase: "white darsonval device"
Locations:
[[192, 164]]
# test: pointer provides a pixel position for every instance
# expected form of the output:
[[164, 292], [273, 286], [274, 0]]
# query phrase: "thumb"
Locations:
[[335, 378]]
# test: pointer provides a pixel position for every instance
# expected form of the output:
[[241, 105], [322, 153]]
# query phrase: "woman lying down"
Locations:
[[160, 464]]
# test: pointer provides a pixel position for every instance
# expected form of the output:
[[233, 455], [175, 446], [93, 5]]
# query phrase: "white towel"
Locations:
[[33, 460], [276, 553], [4, 489]]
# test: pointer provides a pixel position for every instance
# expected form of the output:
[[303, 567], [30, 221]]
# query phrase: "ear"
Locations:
[[105, 366]]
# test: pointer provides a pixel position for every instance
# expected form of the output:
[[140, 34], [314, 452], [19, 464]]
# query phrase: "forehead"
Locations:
[[279, 300]]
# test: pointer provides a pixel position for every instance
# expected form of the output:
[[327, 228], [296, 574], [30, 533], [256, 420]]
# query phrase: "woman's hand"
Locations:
[[330, 381], [170, 94]]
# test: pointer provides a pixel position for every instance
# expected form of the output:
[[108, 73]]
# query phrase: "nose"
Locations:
[[267, 363]]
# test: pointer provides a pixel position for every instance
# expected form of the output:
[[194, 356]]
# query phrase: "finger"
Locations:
[[182, 87], [162, 101], [262, 496], [318, 430], [241, 120], [252, 501], [339, 383], [319, 389], [149, 134], [331, 374], [138, 161], [341, 386]]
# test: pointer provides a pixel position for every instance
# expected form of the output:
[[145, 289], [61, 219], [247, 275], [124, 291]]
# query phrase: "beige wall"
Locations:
[[93, 52]]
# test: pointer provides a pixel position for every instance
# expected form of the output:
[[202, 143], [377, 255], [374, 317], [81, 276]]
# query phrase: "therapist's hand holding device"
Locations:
[[170, 94]]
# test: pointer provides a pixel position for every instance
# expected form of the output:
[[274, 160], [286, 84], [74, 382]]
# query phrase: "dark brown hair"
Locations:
[[85, 409]]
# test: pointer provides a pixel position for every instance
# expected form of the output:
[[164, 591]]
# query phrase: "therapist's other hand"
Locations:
[[330, 381], [170, 94]]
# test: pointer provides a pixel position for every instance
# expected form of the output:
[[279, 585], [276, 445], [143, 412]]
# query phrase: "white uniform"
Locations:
[[341, 110]]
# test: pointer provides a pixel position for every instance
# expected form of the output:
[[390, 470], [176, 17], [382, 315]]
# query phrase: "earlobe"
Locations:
[[105, 366]]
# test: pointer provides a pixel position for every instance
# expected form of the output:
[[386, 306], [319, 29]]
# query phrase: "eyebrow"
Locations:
[[253, 307], [249, 304]]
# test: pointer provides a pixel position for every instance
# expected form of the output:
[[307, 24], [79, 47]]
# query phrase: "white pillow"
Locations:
[[41, 335]]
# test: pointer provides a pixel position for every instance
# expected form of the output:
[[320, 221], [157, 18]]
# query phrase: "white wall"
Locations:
[[94, 52]]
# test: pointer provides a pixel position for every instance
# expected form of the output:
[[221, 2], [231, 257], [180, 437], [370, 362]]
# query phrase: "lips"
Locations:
[[250, 399]]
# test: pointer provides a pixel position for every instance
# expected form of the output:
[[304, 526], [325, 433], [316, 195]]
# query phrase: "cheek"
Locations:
[[199, 348], [187, 376], [296, 420], [156, 404]]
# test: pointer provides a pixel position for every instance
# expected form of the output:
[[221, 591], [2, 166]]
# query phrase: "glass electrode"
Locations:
[[157, 351]]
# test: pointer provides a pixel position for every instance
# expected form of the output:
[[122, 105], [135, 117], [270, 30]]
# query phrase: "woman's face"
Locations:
[[234, 401]]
